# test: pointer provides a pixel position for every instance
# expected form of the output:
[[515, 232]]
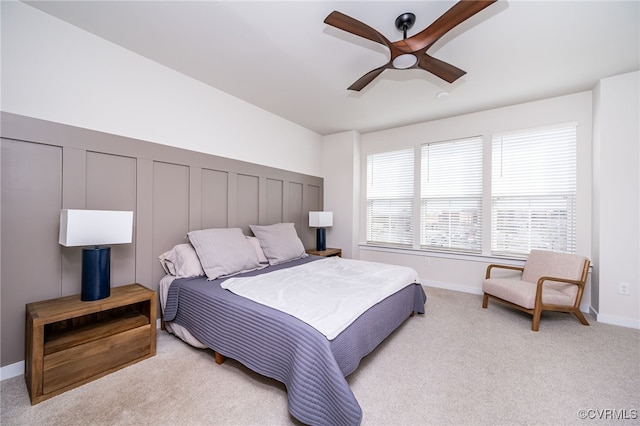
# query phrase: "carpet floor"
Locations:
[[457, 364]]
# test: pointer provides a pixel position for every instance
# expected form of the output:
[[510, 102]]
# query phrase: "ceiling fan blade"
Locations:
[[367, 78], [445, 71], [353, 26], [459, 13]]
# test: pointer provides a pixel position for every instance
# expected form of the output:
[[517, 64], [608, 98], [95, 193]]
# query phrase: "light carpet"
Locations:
[[457, 364]]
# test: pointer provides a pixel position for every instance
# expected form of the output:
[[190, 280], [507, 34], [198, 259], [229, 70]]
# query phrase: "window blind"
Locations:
[[390, 198], [451, 195], [533, 199]]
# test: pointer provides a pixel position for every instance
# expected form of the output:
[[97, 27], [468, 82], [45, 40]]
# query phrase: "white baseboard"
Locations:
[[12, 370], [614, 320]]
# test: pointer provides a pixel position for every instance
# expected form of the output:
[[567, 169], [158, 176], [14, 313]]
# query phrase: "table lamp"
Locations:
[[321, 220], [94, 228]]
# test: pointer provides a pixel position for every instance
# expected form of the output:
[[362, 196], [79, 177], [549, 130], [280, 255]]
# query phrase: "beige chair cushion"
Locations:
[[523, 293]]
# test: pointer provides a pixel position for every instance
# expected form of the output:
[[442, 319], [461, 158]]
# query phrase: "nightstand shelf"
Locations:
[[326, 253], [70, 342]]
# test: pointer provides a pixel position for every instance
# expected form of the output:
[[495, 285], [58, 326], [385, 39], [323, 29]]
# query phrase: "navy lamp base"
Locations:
[[96, 273], [321, 239]]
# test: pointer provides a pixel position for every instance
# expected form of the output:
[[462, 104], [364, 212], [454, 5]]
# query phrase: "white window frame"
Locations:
[[387, 200], [534, 190], [581, 157], [451, 195]]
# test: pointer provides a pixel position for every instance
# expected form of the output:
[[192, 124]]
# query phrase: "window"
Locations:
[[533, 191], [390, 198], [451, 196], [430, 196]]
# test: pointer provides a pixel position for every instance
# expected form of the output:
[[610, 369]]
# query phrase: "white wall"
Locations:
[[341, 159], [616, 164], [55, 71], [465, 273]]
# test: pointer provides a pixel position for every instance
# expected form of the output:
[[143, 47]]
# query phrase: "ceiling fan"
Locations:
[[411, 52]]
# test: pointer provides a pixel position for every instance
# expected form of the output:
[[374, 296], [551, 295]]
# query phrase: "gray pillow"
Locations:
[[181, 261], [223, 251], [255, 243], [279, 242]]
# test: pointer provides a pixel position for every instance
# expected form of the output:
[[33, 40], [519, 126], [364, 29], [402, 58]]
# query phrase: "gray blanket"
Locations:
[[284, 348]]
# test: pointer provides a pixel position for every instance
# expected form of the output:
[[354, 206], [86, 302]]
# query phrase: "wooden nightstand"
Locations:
[[326, 253], [70, 342]]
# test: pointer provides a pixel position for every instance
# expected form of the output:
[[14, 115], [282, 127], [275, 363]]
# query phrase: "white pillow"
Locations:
[[280, 242], [181, 261], [224, 251]]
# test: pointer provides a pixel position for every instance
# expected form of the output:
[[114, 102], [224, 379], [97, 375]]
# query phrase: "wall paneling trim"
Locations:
[[49, 166]]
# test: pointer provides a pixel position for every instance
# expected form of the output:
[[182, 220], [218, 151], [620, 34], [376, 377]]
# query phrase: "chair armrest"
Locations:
[[541, 280], [495, 265], [540, 285]]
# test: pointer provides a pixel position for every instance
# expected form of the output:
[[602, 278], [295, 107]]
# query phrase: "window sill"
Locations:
[[445, 255]]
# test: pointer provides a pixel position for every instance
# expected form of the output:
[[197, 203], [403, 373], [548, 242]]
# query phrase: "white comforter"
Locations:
[[328, 294]]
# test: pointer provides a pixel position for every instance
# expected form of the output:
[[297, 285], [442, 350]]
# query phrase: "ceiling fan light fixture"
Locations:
[[405, 61]]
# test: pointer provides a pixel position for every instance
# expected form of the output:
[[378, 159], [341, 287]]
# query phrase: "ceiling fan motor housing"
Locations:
[[405, 22]]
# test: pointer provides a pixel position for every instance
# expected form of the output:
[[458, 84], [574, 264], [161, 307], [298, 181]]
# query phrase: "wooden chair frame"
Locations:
[[539, 306]]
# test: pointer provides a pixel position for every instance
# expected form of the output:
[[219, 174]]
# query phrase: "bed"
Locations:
[[311, 361]]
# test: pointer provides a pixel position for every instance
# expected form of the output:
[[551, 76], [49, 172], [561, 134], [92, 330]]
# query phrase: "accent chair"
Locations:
[[549, 281]]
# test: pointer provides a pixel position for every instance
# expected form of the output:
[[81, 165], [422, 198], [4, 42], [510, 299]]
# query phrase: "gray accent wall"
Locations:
[[50, 166]]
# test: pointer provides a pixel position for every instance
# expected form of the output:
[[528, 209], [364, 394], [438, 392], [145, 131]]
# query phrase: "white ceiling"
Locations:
[[280, 56]]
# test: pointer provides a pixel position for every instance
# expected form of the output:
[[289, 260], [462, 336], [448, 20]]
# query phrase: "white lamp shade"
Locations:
[[95, 227], [320, 219]]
